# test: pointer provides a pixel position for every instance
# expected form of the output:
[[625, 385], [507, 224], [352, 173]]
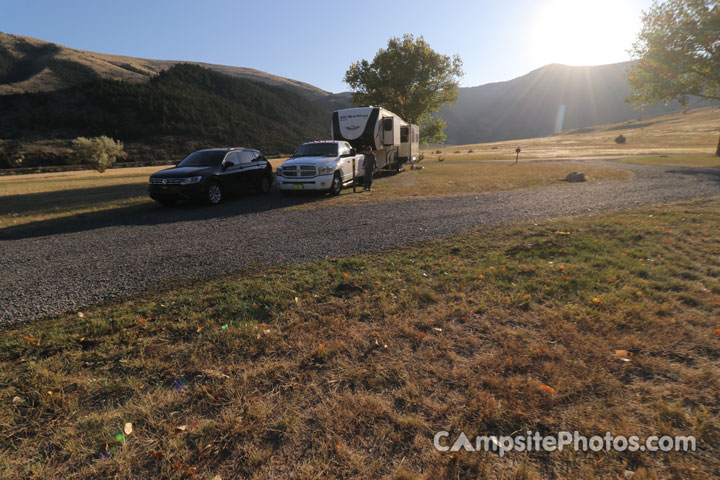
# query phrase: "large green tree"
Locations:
[[679, 53], [410, 79]]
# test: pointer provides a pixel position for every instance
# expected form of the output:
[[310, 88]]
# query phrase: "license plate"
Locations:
[[298, 186]]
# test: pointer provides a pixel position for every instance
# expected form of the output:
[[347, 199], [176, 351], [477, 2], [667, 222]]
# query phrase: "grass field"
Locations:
[[37, 197], [438, 179], [695, 132], [346, 368], [45, 196], [677, 160]]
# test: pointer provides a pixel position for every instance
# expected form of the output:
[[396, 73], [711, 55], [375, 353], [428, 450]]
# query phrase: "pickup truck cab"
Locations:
[[322, 165]]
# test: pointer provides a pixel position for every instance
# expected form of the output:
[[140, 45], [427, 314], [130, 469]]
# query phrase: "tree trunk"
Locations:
[[717, 152]]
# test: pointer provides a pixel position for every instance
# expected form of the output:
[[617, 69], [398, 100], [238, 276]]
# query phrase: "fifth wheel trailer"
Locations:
[[394, 140]]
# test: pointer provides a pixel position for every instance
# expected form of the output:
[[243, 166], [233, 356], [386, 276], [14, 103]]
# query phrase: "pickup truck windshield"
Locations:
[[317, 150], [203, 158]]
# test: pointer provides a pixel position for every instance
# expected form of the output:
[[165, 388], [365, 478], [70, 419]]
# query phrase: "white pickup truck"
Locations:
[[324, 165]]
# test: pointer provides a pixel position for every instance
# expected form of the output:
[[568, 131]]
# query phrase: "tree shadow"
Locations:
[[149, 213]]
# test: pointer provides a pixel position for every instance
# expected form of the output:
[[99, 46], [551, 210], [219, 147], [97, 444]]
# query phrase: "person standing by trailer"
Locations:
[[369, 165]]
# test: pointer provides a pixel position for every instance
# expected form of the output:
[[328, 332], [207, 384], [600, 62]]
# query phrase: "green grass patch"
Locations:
[[678, 160], [346, 368]]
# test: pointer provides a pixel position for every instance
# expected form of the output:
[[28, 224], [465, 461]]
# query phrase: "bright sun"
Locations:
[[583, 32]]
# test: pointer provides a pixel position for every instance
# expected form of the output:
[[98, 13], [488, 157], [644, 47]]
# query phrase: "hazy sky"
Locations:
[[315, 42]]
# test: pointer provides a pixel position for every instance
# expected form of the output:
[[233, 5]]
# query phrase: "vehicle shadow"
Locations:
[[24, 204], [149, 213]]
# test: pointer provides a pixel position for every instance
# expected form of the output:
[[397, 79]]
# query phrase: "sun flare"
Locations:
[[583, 32]]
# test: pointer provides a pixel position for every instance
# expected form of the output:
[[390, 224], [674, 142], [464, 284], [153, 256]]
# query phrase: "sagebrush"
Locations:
[[98, 152]]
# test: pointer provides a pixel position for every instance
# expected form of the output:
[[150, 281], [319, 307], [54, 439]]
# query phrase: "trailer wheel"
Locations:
[[336, 184]]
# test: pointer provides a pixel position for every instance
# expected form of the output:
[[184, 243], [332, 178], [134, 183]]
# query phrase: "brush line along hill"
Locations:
[[186, 100]]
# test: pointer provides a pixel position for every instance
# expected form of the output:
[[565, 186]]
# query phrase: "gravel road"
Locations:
[[61, 266]]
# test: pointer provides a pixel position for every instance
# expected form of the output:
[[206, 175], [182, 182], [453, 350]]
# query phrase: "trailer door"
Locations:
[[388, 131]]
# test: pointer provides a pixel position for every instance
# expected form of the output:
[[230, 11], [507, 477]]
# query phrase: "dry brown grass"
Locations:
[[444, 179], [44, 196], [695, 132], [36, 197], [347, 368]]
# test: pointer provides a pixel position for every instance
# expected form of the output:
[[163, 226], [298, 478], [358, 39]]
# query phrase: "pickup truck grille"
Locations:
[[165, 181], [299, 171]]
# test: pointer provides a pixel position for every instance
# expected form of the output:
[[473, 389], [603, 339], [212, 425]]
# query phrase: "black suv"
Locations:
[[209, 175]]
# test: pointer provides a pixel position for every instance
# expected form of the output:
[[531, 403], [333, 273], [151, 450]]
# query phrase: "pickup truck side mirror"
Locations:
[[353, 152]]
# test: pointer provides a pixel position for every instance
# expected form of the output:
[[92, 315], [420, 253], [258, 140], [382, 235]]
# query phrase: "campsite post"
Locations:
[[517, 154]]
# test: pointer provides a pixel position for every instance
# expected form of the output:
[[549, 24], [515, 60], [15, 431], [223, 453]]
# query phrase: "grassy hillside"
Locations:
[[48, 73], [186, 100], [693, 132], [543, 102], [347, 368]]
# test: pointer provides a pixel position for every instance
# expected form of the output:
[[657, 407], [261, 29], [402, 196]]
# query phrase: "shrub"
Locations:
[[98, 152], [620, 139], [438, 151]]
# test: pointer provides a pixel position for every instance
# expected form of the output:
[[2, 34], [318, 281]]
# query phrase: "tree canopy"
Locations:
[[679, 53], [410, 79]]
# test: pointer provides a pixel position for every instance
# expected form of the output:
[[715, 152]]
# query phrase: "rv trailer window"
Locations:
[[388, 124], [404, 131]]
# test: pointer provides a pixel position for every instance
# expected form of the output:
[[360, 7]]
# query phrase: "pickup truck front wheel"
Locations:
[[336, 184]]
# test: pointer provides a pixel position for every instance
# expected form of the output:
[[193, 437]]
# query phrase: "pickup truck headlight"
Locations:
[[327, 169], [190, 180]]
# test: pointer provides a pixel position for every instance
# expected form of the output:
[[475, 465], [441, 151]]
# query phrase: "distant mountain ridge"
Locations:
[[48, 67], [547, 100]]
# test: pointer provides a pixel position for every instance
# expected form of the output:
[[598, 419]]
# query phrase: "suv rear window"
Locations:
[[317, 150]]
